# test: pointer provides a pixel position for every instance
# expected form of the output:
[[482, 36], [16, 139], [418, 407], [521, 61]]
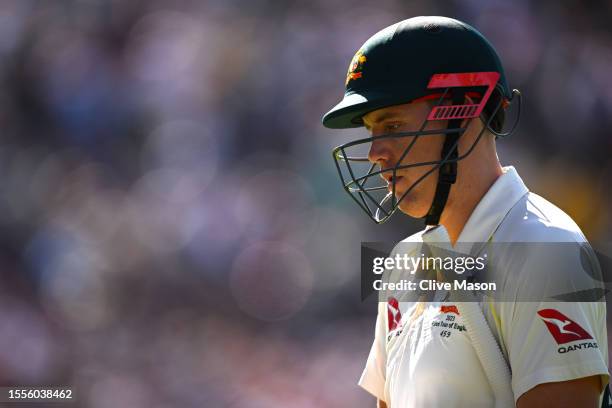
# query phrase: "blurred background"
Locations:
[[172, 229]]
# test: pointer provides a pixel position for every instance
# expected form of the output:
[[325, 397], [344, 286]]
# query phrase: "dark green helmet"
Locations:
[[396, 64]]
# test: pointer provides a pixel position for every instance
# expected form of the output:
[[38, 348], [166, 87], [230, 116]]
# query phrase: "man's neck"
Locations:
[[466, 197]]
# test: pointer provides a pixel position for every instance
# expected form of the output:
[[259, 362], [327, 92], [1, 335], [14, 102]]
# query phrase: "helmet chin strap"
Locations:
[[447, 174]]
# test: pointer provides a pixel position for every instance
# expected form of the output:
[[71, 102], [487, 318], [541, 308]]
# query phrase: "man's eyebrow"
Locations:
[[383, 117]]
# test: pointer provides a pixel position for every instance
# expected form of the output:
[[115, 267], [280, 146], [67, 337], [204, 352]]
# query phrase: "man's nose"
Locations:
[[379, 151]]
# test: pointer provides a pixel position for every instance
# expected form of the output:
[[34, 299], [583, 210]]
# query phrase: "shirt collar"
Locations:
[[493, 207]]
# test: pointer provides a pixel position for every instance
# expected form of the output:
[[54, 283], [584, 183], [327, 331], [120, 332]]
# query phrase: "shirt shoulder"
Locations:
[[539, 252], [535, 219]]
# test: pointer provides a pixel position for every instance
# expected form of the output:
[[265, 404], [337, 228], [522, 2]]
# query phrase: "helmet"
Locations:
[[420, 58]]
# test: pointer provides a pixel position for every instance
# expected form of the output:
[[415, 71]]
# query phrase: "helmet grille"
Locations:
[[453, 112]]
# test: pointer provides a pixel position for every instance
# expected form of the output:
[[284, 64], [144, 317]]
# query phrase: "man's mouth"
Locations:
[[392, 180], [387, 175]]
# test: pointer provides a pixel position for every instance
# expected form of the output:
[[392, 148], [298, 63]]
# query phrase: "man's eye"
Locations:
[[393, 126]]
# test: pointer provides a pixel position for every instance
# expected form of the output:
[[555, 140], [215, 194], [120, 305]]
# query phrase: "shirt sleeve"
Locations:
[[374, 374], [555, 328], [554, 341]]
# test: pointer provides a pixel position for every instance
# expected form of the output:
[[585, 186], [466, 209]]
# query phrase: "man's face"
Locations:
[[386, 152]]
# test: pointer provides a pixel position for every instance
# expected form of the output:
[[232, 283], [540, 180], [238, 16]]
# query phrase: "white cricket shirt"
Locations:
[[422, 356]]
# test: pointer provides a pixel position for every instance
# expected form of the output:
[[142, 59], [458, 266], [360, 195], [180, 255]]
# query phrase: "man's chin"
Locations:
[[412, 209]]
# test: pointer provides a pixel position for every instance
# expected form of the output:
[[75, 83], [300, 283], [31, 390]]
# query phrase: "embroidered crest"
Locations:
[[449, 309], [356, 66]]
